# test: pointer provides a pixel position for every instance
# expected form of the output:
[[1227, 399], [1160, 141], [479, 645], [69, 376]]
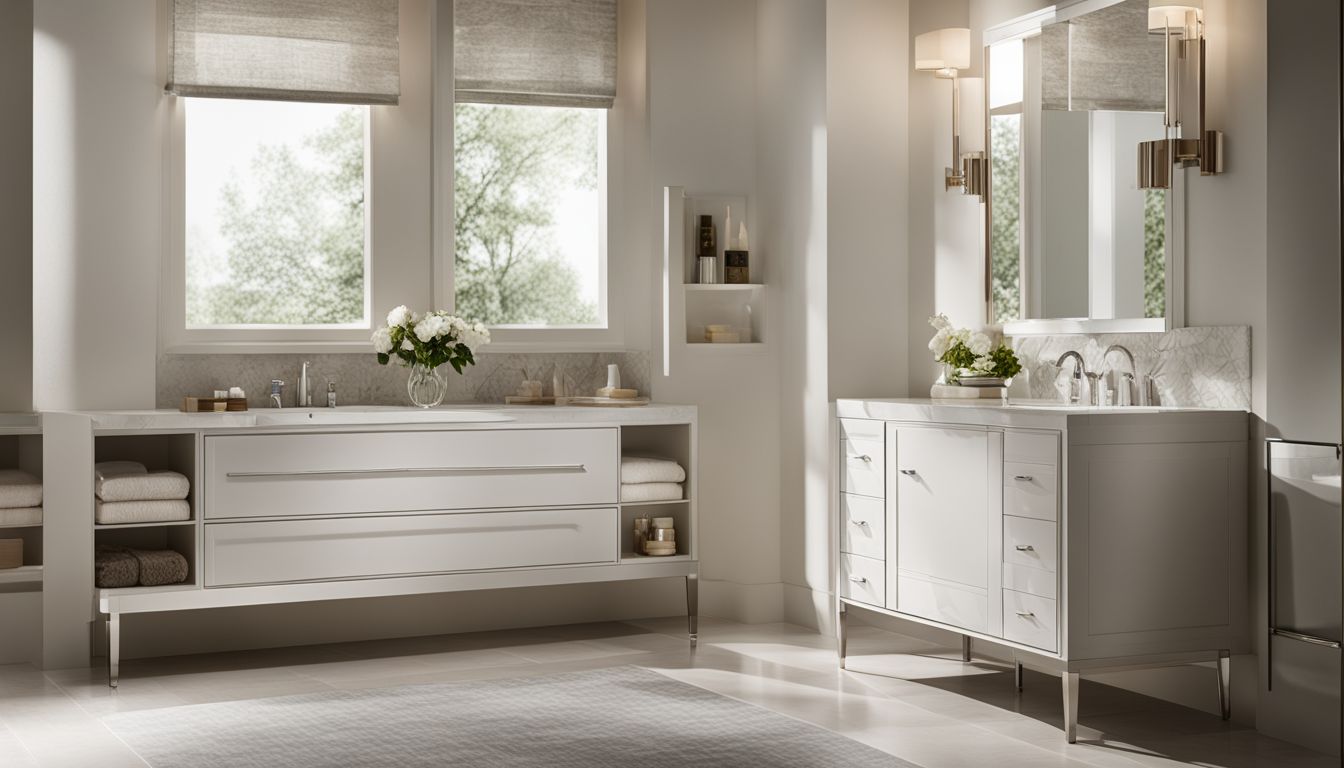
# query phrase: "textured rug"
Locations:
[[624, 716]]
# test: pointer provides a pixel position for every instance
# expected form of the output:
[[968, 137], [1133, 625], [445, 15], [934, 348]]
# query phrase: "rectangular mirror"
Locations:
[[1074, 245]]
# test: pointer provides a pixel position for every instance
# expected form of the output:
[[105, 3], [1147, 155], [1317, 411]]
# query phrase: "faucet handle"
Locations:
[[276, 386]]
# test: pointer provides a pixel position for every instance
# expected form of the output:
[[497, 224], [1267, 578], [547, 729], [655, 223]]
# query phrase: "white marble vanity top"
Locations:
[[359, 415], [1045, 414]]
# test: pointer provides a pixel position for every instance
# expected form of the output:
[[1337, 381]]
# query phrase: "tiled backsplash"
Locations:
[[1193, 367], [360, 380]]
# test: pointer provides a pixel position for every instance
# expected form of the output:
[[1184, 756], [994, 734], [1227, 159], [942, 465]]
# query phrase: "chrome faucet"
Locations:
[[305, 395], [1079, 370], [277, 392], [1127, 380]]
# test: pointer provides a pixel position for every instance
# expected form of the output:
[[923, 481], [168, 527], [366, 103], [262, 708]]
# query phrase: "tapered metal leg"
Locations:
[[1017, 674], [693, 608], [1225, 683], [1070, 684], [113, 648], [965, 648], [842, 631]]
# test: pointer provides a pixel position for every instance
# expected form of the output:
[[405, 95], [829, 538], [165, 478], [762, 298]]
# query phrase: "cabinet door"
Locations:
[[942, 509]]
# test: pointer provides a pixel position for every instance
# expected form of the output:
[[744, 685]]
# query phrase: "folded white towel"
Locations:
[[153, 511], [106, 469], [650, 492], [145, 486], [19, 490], [649, 469], [17, 517]]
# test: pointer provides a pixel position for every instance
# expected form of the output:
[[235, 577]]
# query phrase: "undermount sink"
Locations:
[[376, 414]]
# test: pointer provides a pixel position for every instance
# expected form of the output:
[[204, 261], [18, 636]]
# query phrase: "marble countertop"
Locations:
[[1044, 414], [449, 416]]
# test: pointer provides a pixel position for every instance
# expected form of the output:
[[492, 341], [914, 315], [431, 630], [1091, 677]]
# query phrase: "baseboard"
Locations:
[[811, 608], [747, 603]]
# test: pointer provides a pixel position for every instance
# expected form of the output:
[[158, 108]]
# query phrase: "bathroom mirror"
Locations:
[[1074, 245]]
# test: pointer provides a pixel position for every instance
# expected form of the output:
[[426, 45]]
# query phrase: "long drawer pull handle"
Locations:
[[858, 579], [860, 523], [1023, 478], [909, 472], [1026, 614], [1025, 548], [515, 470], [865, 458]]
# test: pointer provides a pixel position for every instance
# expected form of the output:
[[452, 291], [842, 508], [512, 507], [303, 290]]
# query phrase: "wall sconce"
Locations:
[[944, 52], [1182, 30]]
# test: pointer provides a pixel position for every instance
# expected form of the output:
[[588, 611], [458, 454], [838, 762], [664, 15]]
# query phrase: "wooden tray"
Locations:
[[519, 400], [605, 402], [207, 404]]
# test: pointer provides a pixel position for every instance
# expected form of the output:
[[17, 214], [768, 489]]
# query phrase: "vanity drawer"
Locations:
[[864, 466], [862, 429], [950, 604], [1030, 490], [1030, 620], [1031, 447], [248, 476], [863, 580], [278, 551], [1030, 543], [1034, 581], [863, 529]]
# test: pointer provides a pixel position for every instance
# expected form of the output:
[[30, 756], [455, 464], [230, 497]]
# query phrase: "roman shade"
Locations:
[[335, 51], [1104, 60], [559, 53]]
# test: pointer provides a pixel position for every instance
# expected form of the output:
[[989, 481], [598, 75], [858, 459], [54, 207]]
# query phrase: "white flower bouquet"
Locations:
[[429, 340], [970, 353]]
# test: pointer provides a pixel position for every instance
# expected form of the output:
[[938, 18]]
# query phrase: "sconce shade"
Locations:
[[943, 49], [1163, 15]]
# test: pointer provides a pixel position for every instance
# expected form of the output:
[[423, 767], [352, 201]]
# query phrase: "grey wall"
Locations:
[[16, 206]]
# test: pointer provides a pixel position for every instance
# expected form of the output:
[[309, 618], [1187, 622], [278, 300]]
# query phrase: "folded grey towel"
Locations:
[[20, 517], [114, 567], [143, 486], [159, 567], [648, 469], [123, 512], [19, 490], [650, 492]]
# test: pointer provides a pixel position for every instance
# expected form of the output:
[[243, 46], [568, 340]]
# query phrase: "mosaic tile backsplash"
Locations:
[[1193, 367], [360, 380]]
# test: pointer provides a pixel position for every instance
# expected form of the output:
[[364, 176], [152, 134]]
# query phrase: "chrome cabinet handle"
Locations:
[[1023, 478], [860, 523], [908, 472], [858, 579], [516, 470], [1026, 614], [865, 458], [1025, 548]]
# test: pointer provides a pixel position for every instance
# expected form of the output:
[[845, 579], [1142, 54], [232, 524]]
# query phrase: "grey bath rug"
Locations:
[[624, 716]]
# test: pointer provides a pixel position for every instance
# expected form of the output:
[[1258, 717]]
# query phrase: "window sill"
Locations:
[[364, 347]]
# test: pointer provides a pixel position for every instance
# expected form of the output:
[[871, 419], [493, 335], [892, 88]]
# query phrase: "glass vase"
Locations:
[[426, 386]]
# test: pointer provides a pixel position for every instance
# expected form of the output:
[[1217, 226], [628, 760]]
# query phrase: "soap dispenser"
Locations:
[[331, 393]]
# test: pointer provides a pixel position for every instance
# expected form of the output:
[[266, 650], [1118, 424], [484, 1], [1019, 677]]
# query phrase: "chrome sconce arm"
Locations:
[[944, 52]]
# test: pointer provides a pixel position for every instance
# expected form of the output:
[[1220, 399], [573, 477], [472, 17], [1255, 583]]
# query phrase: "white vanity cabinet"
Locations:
[[1073, 539]]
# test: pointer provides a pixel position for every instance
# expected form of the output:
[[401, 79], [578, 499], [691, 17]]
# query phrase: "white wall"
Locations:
[[16, 206], [96, 216]]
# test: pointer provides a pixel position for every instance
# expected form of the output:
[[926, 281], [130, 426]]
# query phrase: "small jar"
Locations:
[[641, 533]]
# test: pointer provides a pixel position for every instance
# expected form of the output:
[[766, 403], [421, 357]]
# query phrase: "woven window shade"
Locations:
[[333, 51], [1104, 60], [559, 53]]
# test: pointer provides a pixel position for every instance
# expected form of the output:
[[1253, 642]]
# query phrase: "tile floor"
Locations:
[[900, 695]]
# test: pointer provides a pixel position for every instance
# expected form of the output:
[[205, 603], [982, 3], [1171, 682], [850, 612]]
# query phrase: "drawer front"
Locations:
[[1033, 581], [952, 605], [863, 528], [354, 473], [1031, 447], [279, 551], [862, 429], [1030, 620], [863, 580], [1031, 490], [1030, 543], [864, 467]]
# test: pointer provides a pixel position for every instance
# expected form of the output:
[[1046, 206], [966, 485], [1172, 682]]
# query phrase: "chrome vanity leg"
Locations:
[[113, 648], [965, 647], [1017, 674], [1225, 683], [1070, 684], [842, 630], [693, 607]]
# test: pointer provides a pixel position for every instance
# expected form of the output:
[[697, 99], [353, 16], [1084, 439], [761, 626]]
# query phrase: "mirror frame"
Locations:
[[1026, 26]]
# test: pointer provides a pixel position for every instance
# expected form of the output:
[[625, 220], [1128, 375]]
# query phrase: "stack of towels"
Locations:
[[647, 478], [117, 567], [129, 493], [20, 498]]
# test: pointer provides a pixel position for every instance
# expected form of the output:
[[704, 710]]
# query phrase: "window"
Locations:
[[275, 226], [529, 195]]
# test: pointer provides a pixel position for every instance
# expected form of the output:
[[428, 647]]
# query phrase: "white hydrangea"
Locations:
[[400, 316], [407, 345], [940, 322], [979, 344], [382, 341], [940, 343], [431, 326]]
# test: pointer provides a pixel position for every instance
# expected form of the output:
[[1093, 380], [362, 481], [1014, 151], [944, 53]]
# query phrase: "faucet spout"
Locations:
[[1079, 370], [1132, 377]]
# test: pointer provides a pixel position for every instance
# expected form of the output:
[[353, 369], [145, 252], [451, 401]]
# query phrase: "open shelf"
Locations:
[[121, 591], [119, 526], [27, 574], [717, 287], [628, 558], [654, 503]]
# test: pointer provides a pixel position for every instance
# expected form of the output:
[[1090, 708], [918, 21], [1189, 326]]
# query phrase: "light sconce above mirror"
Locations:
[[1182, 27], [944, 52]]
